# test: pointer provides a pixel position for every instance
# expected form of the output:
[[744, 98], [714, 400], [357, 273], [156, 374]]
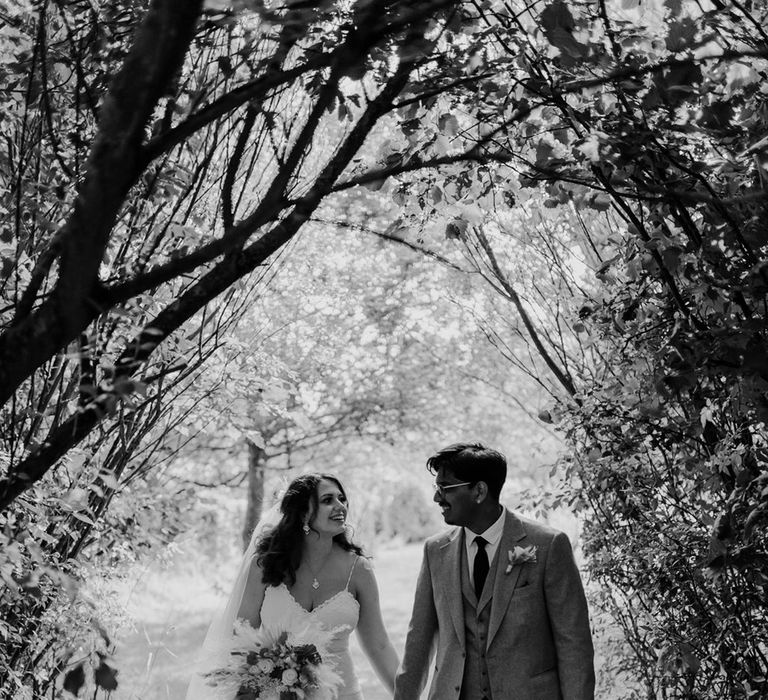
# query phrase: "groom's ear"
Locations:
[[482, 491]]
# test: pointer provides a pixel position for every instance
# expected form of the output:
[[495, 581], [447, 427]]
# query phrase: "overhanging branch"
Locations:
[[213, 283]]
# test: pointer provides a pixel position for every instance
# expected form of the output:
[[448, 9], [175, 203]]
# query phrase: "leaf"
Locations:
[[557, 16], [716, 115], [757, 516], [448, 124], [343, 112], [671, 257], [31, 585], [677, 83], [681, 35], [74, 680], [558, 25], [375, 185], [740, 75], [409, 127], [83, 518], [716, 553], [544, 151], [109, 479], [255, 438], [225, 65], [456, 229], [601, 201], [689, 659], [105, 675]]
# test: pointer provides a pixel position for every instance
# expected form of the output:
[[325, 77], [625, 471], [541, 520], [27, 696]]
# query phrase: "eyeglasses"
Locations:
[[440, 489]]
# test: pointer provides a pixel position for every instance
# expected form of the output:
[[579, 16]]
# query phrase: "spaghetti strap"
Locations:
[[352, 569]]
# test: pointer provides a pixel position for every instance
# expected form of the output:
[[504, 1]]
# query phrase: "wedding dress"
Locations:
[[339, 613]]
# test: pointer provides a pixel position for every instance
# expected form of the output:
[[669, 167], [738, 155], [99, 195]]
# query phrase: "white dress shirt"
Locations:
[[492, 536]]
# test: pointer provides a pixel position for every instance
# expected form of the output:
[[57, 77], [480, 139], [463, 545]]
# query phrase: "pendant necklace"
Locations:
[[315, 582]]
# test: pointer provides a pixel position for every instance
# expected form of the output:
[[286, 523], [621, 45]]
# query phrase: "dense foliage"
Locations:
[[600, 164], [669, 437], [639, 129], [156, 155]]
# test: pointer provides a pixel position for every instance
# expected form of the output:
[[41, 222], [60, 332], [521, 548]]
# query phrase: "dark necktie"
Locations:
[[480, 568]]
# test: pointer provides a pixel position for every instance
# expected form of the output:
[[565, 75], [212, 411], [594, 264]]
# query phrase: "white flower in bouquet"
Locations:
[[265, 666], [270, 663]]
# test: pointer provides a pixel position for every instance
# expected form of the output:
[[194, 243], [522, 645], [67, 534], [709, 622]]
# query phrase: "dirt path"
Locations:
[[173, 611]]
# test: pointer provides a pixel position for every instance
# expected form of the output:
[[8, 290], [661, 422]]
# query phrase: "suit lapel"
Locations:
[[451, 579], [504, 584]]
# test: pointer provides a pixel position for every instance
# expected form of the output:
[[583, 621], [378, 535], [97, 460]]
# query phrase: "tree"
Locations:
[[643, 132], [343, 339], [155, 156], [223, 133], [366, 352], [206, 134]]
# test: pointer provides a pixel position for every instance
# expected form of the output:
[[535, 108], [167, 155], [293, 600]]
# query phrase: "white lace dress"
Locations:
[[340, 612]]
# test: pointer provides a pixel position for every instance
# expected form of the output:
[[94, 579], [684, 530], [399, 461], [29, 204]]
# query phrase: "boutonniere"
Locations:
[[521, 555]]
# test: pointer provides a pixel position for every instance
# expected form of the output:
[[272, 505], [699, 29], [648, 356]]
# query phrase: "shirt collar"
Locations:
[[493, 534]]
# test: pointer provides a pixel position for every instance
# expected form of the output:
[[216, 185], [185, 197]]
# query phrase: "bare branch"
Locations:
[[559, 373]]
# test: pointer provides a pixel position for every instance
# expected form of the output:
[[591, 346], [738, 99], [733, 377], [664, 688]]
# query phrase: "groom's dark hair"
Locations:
[[473, 462]]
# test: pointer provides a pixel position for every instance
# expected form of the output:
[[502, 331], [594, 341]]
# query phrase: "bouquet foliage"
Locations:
[[276, 664]]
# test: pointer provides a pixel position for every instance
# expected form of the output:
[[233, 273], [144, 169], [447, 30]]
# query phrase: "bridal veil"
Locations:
[[215, 647]]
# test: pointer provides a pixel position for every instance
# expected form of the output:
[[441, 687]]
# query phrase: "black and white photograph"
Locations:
[[384, 350]]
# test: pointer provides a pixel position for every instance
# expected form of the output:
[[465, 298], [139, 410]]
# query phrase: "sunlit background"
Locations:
[[362, 364]]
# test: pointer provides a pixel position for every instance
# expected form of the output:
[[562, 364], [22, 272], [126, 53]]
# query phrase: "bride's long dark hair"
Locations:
[[278, 552]]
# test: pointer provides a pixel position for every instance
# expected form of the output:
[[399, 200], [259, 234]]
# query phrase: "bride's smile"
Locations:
[[331, 514]]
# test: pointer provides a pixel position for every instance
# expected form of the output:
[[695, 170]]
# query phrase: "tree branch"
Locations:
[[217, 280], [559, 373], [113, 166], [227, 210], [388, 236], [259, 87]]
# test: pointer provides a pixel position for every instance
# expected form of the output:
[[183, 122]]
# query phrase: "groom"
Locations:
[[500, 596]]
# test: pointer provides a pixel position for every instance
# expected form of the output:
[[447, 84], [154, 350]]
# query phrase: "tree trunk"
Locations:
[[257, 463]]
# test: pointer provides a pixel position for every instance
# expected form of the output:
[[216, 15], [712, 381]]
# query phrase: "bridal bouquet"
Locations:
[[276, 664]]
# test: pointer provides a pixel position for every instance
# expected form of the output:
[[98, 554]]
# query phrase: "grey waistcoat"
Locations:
[[475, 684]]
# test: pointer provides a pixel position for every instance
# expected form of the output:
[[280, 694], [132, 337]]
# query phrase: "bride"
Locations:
[[306, 569]]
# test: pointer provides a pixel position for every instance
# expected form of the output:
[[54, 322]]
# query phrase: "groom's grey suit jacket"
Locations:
[[527, 638]]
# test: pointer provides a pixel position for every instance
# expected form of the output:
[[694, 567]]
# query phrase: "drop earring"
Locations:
[[305, 528]]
